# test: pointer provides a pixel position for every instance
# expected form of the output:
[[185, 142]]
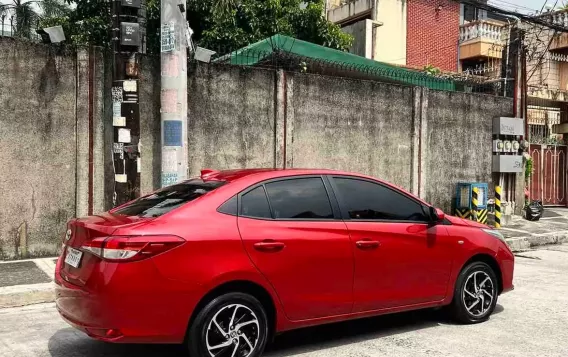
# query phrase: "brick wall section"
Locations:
[[432, 36]]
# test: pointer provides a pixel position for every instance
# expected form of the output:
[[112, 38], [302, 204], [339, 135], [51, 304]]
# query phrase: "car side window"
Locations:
[[366, 200], [302, 198], [230, 207], [255, 204]]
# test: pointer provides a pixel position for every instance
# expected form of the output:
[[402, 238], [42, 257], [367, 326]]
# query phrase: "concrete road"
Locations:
[[530, 321]]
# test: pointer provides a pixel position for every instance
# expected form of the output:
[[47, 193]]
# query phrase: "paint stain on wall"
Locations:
[[48, 81]]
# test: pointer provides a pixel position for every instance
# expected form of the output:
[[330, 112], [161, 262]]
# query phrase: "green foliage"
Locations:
[[528, 169], [221, 24], [232, 24], [431, 70], [24, 16]]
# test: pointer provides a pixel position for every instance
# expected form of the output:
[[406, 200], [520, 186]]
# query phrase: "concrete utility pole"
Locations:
[[174, 42]]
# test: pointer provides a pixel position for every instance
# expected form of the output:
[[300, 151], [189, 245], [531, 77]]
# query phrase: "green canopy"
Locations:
[[256, 52]]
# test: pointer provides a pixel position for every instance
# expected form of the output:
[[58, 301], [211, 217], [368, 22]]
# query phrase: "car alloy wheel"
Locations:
[[233, 331], [478, 293], [475, 294], [231, 325]]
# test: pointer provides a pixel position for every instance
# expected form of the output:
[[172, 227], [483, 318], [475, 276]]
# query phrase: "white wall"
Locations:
[[391, 36]]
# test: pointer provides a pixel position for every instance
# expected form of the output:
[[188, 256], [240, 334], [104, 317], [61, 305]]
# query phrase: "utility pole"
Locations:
[[128, 40], [175, 35]]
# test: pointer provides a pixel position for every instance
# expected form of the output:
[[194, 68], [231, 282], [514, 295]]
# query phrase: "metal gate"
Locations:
[[548, 182]]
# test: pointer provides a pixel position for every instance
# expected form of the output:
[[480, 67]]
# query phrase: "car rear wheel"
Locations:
[[231, 325], [475, 294]]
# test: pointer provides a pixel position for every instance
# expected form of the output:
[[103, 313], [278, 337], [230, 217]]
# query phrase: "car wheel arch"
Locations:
[[243, 286], [492, 262]]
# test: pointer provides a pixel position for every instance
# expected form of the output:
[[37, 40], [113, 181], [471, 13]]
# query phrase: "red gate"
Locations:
[[548, 182]]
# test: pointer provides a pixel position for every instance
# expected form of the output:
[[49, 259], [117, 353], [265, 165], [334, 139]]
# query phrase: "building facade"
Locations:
[[414, 33]]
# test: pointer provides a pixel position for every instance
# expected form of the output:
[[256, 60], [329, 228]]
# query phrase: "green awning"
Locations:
[[256, 52]]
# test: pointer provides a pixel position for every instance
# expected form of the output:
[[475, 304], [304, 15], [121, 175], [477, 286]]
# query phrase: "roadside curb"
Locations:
[[520, 244], [22, 295]]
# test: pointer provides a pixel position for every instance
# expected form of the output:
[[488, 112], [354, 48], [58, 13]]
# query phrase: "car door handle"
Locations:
[[269, 246], [367, 244]]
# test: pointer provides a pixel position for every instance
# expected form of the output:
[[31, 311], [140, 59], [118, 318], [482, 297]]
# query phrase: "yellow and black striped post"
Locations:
[[498, 191], [474, 203], [463, 212]]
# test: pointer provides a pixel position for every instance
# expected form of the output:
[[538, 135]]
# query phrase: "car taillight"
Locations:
[[131, 248]]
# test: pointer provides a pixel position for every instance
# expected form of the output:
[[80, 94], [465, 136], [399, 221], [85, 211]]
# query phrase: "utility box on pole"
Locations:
[[173, 98]]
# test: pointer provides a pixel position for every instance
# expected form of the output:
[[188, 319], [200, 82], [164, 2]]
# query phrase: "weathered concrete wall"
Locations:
[[362, 38], [457, 147], [150, 124], [350, 125], [424, 141], [37, 148], [231, 115]]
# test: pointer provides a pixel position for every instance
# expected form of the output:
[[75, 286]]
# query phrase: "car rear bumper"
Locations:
[[111, 314]]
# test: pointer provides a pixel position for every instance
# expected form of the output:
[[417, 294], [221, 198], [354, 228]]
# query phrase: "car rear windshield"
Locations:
[[168, 198]]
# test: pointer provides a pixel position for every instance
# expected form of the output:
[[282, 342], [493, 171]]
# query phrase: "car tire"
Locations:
[[475, 294], [211, 332]]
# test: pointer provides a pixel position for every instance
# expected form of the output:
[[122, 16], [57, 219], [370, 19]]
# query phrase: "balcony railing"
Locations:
[[558, 17], [487, 30]]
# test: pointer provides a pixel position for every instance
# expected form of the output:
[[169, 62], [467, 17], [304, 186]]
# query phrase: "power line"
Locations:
[[513, 5], [531, 19]]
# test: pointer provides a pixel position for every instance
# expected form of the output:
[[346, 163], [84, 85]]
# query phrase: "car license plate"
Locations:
[[73, 257]]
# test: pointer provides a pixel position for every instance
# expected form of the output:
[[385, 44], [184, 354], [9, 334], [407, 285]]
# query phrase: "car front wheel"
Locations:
[[231, 325], [475, 295]]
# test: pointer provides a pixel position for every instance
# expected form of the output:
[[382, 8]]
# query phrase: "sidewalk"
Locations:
[[27, 282], [551, 229]]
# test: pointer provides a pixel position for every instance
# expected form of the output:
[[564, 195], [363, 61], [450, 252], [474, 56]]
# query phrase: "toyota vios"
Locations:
[[225, 261]]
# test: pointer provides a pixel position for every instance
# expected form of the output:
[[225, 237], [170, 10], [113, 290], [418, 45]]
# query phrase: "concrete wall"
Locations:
[[424, 141], [231, 118], [458, 142], [37, 148], [350, 125], [350, 10], [362, 38], [151, 152]]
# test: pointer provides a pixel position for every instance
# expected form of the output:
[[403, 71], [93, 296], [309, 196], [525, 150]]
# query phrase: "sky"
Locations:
[[525, 6]]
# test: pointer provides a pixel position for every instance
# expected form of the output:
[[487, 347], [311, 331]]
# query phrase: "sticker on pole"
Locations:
[[169, 159], [168, 37], [169, 178], [172, 133]]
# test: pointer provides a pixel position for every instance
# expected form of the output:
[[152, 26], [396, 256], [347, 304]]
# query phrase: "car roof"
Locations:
[[266, 173], [261, 174]]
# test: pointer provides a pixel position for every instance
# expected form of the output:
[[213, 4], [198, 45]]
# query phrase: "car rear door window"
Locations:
[[366, 200], [168, 198], [255, 204], [304, 198]]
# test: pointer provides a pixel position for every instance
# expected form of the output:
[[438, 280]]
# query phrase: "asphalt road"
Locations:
[[530, 321]]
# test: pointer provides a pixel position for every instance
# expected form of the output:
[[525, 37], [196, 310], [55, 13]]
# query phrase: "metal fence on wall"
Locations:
[[8, 28], [279, 59]]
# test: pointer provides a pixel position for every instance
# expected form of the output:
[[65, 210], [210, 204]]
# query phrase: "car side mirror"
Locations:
[[437, 214]]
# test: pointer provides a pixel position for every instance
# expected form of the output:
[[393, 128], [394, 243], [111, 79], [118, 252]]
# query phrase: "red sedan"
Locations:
[[225, 261]]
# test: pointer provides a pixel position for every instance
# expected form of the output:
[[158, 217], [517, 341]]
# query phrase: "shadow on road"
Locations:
[[68, 342], [71, 343]]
